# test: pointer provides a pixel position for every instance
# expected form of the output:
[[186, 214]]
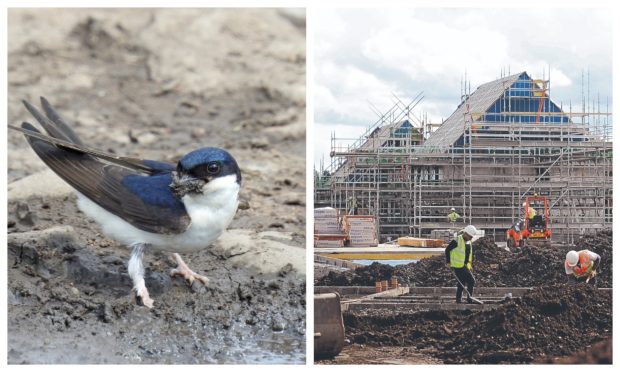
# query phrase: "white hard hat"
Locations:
[[470, 230], [572, 257], [524, 204], [452, 209]]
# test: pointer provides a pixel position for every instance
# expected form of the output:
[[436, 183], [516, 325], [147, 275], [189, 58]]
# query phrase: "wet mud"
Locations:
[[157, 84]]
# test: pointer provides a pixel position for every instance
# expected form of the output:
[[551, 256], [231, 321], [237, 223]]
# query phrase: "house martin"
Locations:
[[143, 204]]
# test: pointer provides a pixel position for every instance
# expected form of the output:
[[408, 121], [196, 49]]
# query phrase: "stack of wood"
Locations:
[[408, 241], [361, 231], [327, 230]]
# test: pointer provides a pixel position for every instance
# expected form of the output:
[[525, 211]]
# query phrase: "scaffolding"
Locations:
[[504, 142]]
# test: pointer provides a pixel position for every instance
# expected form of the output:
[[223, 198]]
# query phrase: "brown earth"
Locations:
[[493, 267], [553, 320], [363, 354], [599, 353], [157, 84]]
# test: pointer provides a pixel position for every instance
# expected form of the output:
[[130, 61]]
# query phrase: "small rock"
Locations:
[[244, 204], [198, 133], [285, 270], [251, 320], [278, 324], [295, 200], [105, 313], [244, 293], [259, 143], [274, 285], [147, 138], [25, 244], [44, 184], [24, 214], [112, 260]]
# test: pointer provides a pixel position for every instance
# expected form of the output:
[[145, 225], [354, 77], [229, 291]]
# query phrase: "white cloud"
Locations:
[[344, 91], [366, 55], [429, 48]]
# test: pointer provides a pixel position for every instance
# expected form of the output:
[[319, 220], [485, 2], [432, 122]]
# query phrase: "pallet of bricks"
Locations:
[[327, 230], [361, 231]]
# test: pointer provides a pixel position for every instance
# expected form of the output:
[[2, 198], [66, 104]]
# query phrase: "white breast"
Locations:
[[210, 212]]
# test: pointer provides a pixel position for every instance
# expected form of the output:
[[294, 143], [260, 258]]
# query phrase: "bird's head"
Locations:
[[208, 165]]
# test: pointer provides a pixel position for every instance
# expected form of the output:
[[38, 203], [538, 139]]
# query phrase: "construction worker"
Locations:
[[453, 216], [459, 254], [582, 266], [351, 205], [531, 212]]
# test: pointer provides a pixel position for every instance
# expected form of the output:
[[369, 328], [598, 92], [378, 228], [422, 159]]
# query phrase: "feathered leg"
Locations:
[[136, 272]]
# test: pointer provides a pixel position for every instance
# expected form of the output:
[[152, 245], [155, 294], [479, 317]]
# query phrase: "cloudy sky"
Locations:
[[364, 56]]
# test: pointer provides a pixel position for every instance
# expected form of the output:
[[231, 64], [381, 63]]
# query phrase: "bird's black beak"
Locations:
[[183, 184]]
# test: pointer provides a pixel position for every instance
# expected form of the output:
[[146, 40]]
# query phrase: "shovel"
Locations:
[[474, 300], [592, 275]]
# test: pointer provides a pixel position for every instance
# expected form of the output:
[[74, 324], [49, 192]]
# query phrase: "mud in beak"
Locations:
[[183, 184]]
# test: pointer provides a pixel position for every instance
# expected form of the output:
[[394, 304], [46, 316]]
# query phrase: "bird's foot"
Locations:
[[143, 293], [183, 270]]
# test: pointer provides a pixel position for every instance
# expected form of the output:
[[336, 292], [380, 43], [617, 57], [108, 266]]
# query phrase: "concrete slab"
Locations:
[[478, 291], [390, 306]]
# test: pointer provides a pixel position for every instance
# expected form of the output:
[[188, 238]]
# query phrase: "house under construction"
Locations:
[[505, 141]]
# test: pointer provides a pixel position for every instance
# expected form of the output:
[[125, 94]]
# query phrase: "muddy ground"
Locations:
[[552, 324], [493, 267], [158, 84], [550, 321]]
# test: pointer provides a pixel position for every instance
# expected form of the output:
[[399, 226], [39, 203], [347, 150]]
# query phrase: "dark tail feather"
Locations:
[[61, 124], [51, 127]]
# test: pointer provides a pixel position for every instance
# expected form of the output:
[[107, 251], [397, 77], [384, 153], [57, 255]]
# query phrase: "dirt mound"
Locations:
[[493, 267], [434, 271], [599, 353], [361, 276], [553, 320]]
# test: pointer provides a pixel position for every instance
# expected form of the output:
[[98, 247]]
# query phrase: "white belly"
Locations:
[[210, 213]]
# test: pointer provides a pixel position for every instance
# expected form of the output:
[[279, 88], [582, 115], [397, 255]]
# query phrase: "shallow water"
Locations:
[[385, 262]]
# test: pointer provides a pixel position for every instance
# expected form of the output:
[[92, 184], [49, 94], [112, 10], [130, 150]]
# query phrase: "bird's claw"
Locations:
[[146, 299], [189, 275]]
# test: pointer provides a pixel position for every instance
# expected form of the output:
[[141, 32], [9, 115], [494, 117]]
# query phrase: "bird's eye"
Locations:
[[214, 168]]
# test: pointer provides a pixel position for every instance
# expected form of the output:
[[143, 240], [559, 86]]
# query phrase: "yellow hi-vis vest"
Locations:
[[457, 255]]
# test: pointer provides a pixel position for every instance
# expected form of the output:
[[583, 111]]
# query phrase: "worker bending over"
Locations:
[[459, 254], [582, 266]]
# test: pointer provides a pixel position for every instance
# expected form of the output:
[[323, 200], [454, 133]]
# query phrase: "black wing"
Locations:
[[132, 189]]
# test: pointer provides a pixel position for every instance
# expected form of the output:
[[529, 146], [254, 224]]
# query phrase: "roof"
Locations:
[[381, 135], [479, 101], [374, 140]]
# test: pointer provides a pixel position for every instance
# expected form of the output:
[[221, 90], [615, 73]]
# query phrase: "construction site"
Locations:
[[535, 179]]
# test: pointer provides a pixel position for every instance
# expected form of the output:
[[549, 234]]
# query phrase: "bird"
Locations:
[[143, 204]]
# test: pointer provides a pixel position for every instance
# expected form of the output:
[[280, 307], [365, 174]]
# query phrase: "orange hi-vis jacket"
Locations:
[[584, 266]]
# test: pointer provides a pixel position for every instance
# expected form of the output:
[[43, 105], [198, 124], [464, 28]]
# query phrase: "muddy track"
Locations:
[[158, 84]]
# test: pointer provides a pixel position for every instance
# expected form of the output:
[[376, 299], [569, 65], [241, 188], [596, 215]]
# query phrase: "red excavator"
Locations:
[[534, 227]]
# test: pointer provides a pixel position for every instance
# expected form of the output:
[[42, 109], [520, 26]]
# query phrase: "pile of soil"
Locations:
[[599, 353], [552, 320], [361, 276], [533, 266]]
